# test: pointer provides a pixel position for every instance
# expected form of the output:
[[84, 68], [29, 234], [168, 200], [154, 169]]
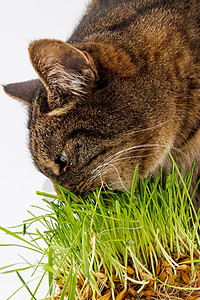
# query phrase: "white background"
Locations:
[[21, 22]]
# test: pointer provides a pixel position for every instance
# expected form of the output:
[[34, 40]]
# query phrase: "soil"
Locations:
[[169, 283]]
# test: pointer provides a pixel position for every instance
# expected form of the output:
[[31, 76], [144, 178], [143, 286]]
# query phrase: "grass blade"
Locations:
[[26, 286]]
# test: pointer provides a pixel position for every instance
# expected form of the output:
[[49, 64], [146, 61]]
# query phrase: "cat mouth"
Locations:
[[82, 189], [58, 192]]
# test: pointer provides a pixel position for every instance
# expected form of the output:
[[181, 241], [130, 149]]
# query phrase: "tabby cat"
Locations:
[[125, 85]]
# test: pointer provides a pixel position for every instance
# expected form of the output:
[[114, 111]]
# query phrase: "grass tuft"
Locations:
[[118, 245]]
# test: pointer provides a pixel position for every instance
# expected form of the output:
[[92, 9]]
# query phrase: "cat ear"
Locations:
[[62, 67], [23, 91]]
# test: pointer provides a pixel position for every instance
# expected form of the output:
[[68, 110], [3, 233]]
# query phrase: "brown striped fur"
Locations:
[[125, 83]]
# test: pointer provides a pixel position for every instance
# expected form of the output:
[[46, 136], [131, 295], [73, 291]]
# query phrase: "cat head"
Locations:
[[91, 117]]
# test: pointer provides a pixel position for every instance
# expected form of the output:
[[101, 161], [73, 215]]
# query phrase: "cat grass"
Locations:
[[142, 245]]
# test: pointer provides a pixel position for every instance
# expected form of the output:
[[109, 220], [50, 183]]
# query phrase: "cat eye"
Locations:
[[63, 157], [62, 161]]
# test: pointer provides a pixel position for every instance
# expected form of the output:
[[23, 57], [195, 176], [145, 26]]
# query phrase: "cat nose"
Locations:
[[68, 187], [77, 190], [55, 189]]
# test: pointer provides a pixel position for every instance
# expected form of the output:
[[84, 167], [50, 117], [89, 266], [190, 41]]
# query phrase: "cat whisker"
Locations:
[[150, 128], [105, 164], [142, 147], [122, 152], [135, 156], [102, 169], [120, 180]]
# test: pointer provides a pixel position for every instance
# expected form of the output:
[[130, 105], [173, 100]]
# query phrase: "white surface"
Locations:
[[21, 22]]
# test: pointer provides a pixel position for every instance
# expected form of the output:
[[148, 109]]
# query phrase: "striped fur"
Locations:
[[126, 83]]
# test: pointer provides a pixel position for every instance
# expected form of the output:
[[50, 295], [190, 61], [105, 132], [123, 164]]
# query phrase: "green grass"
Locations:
[[85, 246]]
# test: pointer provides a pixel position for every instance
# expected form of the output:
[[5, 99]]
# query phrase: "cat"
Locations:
[[123, 88]]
